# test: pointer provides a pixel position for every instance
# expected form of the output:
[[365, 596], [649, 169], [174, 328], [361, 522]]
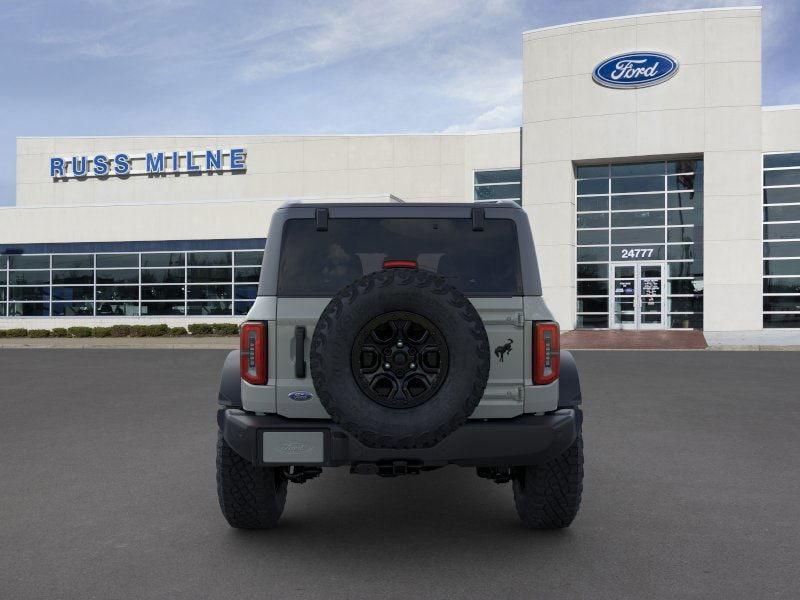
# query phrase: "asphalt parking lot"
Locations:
[[107, 491]]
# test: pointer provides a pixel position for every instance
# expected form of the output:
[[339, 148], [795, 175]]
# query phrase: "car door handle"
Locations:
[[299, 352]]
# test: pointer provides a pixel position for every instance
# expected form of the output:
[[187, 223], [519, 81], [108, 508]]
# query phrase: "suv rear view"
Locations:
[[398, 338]]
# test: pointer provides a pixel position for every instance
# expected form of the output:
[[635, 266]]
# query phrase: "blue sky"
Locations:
[[155, 67]]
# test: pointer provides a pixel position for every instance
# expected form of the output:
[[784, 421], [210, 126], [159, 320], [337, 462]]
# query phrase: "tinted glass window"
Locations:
[[315, 263], [246, 274], [73, 277], [681, 182], [117, 292], [163, 259], [637, 184], [73, 261], [593, 220], [28, 277], [593, 321], [593, 203], [592, 254], [209, 275], [782, 160], [789, 177], [593, 186], [248, 258], [782, 213], [598, 305], [782, 267], [592, 271], [29, 262], [637, 202], [638, 218], [163, 276], [587, 171], [637, 236], [683, 217], [209, 259], [788, 320], [499, 176], [593, 236], [653, 168], [782, 195], [118, 276], [209, 308], [784, 231], [782, 285], [117, 260], [162, 292], [498, 192], [29, 293], [162, 308], [782, 303], [73, 292]]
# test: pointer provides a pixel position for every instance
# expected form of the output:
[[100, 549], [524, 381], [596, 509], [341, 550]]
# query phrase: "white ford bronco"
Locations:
[[395, 338]]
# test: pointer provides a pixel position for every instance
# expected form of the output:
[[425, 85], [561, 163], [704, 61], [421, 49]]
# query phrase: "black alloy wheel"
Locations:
[[400, 359]]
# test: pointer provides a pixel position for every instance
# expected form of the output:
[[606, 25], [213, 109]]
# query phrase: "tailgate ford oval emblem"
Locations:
[[300, 396]]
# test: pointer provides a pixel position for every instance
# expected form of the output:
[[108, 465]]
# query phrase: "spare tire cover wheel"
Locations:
[[400, 358]]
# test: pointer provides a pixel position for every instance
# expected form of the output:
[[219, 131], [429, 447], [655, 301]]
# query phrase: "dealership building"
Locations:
[[661, 193]]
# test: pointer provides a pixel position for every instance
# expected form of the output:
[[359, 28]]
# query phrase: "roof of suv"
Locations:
[[397, 204]]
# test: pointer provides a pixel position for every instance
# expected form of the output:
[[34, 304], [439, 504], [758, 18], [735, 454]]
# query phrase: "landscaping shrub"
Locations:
[[157, 330], [138, 331], [60, 332], [225, 328], [149, 330], [16, 332], [201, 329], [120, 330], [38, 333], [101, 332], [80, 332], [177, 331]]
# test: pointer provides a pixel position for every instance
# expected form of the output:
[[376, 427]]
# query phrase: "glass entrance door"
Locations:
[[637, 295]]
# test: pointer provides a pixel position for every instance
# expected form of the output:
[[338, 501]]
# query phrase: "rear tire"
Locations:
[[548, 496], [250, 497]]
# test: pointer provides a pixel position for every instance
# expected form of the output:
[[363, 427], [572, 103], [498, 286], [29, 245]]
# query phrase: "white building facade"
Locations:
[[661, 193]]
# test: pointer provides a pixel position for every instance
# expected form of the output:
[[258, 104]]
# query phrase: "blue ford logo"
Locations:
[[300, 396], [635, 70]]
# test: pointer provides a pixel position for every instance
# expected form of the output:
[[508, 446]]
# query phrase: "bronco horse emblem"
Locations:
[[501, 351]]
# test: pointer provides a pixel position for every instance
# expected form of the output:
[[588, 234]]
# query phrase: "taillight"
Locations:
[[546, 352], [253, 353]]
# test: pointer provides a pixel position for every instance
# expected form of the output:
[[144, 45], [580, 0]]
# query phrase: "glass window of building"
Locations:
[[781, 249], [499, 184], [640, 245], [129, 284]]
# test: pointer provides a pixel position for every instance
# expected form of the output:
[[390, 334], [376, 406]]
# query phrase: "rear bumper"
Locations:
[[524, 440]]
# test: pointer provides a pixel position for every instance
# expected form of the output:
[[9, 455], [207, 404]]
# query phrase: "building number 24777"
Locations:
[[637, 252]]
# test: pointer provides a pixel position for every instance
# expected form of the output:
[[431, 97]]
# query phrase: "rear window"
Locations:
[[320, 263]]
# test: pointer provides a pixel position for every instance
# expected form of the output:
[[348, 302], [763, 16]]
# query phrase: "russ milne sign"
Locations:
[[635, 70], [152, 163]]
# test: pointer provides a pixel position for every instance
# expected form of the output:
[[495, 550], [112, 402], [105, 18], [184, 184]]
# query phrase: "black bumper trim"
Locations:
[[523, 440]]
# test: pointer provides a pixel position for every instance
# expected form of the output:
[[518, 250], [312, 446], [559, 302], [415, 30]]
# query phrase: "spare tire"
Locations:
[[400, 358]]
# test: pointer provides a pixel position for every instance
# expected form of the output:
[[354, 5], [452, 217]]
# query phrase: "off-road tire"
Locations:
[[250, 497], [410, 290], [548, 496]]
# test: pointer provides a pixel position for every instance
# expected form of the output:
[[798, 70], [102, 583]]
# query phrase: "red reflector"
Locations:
[[399, 264], [546, 352], [253, 352]]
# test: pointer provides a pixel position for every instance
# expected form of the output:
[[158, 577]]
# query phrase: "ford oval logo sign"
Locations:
[[635, 70], [300, 396]]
